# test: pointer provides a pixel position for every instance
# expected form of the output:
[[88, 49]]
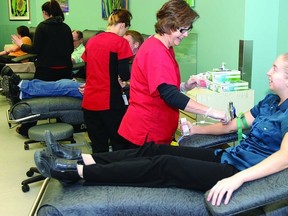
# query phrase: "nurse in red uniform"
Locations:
[[107, 56], [155, 85]]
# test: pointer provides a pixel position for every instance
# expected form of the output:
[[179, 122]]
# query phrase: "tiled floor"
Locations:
[[15, 162]]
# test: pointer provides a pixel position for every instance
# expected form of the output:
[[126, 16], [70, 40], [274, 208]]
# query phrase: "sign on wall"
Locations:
[[64, 5], [109, 5], [191, 2], [19, 9]]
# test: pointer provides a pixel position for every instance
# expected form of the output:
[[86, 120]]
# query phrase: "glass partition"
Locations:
[[186, 55]]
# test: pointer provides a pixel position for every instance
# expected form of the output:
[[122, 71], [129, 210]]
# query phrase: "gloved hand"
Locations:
[[82, 88], [223, 116], [189, 84]]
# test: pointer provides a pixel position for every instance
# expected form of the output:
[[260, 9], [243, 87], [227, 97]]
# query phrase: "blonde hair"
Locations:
[[120, 16]]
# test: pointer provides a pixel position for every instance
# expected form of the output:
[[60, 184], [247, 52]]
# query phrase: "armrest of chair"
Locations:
[[254, 194], [207, 141], [24, 57], [249, 196]]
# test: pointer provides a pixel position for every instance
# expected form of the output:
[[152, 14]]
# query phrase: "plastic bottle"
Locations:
[[232, 110], [184, 127]]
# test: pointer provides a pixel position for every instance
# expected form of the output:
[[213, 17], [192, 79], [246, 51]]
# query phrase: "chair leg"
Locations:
[[25, 183], [26, 143]]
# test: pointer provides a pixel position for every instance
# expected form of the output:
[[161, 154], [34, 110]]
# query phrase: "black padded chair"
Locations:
[[265, 197]]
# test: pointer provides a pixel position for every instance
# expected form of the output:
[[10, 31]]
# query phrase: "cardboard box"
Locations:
[[227, 86], [224, 76]]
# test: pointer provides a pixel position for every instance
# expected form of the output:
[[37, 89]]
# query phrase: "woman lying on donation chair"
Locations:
[[264, 152]]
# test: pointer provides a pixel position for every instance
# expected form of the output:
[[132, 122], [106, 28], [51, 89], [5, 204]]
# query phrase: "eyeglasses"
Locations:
[[183, 30]]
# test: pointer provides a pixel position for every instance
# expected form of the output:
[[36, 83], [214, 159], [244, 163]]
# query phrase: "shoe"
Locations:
[[23, 128], [5, 85], [61, 169], [6, 71], [14, 90], [21, 132], [59, 150], [10, 87]]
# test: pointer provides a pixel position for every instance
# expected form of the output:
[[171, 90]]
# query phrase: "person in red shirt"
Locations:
[[155, 97], [107, 57]]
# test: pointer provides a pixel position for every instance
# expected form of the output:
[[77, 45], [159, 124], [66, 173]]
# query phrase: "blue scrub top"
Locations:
[[266, 134]]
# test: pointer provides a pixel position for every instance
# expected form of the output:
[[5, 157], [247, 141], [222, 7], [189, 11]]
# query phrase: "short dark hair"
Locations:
[[79, 34], [23, 31], [174, 14], [53, 8]]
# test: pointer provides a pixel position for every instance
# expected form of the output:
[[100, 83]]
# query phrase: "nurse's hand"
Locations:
[[82, 88], [188, 85], [221, 115], [191, 83]]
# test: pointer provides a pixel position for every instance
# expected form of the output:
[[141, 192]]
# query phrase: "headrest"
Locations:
[[32, 32], [87, 34]]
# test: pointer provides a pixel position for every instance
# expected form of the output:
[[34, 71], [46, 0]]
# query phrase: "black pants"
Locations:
[[102, 127], [159, 166]]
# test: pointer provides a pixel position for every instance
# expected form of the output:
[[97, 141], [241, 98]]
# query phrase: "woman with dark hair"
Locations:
[[107, 55], [15, 51], [53, 44]]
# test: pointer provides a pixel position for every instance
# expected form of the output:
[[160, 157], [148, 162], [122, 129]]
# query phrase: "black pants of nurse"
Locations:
[[158, 166]]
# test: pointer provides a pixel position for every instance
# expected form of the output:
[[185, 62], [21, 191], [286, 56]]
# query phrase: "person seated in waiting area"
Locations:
[[15, 51], [76, 56], [135, 40], [79, 48], [264, 152]]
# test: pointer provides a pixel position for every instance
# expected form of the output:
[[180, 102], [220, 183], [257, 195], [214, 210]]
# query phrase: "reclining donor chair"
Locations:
[[67, 109], [267, 196]]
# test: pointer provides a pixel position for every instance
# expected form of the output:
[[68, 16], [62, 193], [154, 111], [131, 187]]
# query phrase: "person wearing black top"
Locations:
[[53, 44]]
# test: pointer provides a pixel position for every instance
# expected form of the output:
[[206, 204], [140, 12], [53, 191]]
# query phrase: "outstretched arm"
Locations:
[[272, 164], [219, 128]]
